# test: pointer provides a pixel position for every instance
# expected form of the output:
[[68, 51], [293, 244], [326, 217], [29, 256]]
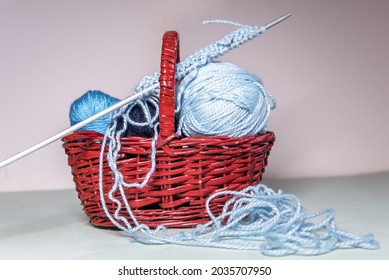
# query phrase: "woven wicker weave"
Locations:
[[188, 169]]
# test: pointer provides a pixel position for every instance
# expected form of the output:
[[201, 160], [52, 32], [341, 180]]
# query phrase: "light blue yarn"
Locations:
[[89, 104], [256, 218], [221, 99]]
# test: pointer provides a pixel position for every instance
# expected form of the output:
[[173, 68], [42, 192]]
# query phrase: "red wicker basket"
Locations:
[[188, 169]]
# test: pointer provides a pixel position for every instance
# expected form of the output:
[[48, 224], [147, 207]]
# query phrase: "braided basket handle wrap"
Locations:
[[167, 81]]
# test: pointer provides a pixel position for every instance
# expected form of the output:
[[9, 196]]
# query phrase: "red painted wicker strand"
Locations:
[[188, 169]]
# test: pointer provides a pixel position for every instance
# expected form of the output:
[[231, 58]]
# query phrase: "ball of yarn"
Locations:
[[222, 99], [140, 118], [89, 104]]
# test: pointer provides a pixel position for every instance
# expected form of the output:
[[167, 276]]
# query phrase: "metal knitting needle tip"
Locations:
[[276, 21]]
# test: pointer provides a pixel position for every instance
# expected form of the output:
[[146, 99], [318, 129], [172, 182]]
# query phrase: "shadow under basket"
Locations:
[[188, 169]]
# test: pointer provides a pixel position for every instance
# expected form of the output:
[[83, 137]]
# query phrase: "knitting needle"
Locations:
[[276, 21], [81, 124]]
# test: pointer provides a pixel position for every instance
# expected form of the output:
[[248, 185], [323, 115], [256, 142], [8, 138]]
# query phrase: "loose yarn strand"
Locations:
[[222, 21]]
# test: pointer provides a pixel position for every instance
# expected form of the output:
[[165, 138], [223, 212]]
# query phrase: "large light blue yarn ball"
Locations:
[[89, 104], [222, 99]]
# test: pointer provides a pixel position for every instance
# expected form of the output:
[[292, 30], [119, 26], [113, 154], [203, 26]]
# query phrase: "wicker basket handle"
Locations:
[[167, 82]]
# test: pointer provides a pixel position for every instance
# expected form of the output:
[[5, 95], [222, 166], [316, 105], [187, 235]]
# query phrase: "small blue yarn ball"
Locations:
[[89, 104], [222, 99]]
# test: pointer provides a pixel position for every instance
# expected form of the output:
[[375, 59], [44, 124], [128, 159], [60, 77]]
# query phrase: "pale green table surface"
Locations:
[[51, 224]]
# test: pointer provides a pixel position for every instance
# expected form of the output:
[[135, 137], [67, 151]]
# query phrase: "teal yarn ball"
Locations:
[[89, 104]]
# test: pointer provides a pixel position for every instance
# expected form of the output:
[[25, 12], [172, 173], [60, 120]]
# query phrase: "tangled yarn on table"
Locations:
[[256, 218]]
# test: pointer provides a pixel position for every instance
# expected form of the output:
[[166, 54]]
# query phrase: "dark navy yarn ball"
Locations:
[[136, 114]]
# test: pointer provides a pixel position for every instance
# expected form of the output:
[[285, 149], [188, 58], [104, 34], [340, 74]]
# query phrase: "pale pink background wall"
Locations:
[[327, 66]]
